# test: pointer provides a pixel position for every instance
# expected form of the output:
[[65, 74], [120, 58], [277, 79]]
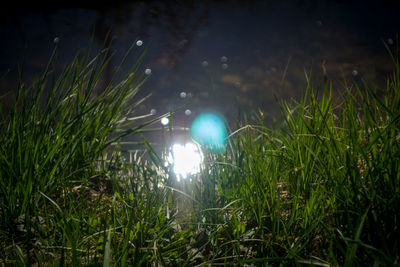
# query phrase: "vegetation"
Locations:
[[322, 189]]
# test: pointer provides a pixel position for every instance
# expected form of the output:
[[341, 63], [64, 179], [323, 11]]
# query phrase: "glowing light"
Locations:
[[153, 111], [164, 121], [182, 94], [188, 112], [209, 130], [56, 40], [354, 73], [204, 63], [147, 71], [139, 42], [185, 159]]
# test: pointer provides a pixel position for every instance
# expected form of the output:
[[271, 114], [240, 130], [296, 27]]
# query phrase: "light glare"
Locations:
[[185, 159], [164, 121]]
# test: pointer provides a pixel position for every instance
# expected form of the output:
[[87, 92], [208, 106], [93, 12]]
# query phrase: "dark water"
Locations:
[[230, 56]]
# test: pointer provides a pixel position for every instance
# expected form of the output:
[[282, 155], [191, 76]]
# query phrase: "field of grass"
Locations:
[[321, 189]]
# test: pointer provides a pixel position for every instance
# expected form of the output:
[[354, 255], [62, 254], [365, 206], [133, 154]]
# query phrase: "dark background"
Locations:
[[269, 45]]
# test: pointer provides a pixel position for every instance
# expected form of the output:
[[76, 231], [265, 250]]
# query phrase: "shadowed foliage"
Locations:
[[320, 189]]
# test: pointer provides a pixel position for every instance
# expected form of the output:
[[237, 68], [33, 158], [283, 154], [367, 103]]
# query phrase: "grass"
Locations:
[[322, 189]]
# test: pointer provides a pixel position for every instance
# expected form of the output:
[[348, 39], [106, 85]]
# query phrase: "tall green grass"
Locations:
[[53, 140], [322, 189]]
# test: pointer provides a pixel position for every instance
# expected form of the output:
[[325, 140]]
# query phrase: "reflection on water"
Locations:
[[228, 56]]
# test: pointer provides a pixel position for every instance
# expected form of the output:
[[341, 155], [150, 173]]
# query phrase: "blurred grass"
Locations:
[[321, 189]]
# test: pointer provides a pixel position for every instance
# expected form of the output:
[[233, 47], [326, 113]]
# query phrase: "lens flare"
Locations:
[[209, 130]]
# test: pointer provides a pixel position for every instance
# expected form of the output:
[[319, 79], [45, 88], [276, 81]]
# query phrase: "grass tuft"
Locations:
[[321, 189]]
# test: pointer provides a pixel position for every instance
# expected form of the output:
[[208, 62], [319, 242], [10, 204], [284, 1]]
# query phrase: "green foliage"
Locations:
[[322, 189]]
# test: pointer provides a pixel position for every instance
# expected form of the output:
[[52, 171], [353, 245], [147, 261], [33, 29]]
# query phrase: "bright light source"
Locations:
[[164, 121], [185, 159]]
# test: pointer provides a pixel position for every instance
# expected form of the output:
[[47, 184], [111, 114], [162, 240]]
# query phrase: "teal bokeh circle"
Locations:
[[209, 130]]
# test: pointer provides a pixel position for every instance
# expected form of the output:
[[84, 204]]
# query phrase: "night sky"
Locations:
[[230, 56]]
